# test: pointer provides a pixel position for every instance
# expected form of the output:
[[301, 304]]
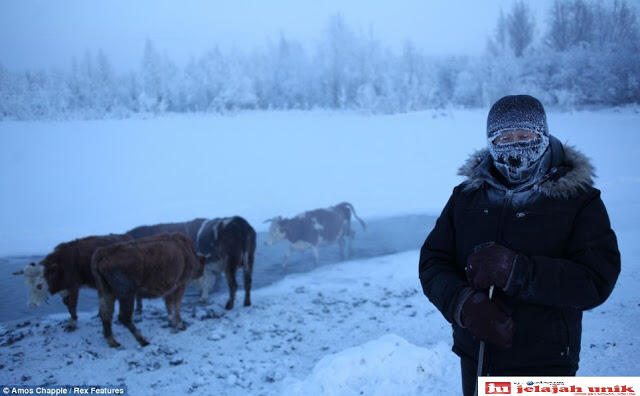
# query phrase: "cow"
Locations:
[[64, 271], [151, 267], [228, 243], [309, 229]]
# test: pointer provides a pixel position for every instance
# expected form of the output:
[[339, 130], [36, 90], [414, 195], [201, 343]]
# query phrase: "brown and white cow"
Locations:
[[228, 243], [310, 229], [152, 267], [64, 271]]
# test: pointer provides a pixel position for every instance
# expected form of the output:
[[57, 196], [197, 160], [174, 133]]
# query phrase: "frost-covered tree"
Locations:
[[520, 25], [499, 42], [589, 55], [335, 58], [157, 71], [571, 23]]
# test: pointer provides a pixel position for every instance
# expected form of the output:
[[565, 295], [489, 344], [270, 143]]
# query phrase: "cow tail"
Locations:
[[353, 210], [250, 250], [101, 282]]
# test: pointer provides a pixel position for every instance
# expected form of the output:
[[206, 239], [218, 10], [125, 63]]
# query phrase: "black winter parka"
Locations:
[[568, 259]]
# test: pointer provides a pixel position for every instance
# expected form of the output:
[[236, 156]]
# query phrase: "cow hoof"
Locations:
[[72, 325], [229, 306], [114, 344]]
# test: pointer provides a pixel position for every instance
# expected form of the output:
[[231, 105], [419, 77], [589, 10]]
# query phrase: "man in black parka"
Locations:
[[527, 221]]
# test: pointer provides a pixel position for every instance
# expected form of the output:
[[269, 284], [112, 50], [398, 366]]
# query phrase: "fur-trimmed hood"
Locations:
[[571, 171]]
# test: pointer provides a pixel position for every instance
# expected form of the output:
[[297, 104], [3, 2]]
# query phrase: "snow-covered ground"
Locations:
[[351, 328], [305, 333], [268, 348]]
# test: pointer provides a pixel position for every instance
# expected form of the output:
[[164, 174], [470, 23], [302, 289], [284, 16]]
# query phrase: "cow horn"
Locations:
[[21, 272]]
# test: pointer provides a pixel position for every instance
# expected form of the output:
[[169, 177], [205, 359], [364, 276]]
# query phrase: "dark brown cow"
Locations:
[[64, 271], [152, 267], [228, 243], [309, 229], [188, 228]]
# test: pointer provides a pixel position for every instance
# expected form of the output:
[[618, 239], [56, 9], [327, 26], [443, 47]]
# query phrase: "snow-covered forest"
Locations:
[[584, 53]]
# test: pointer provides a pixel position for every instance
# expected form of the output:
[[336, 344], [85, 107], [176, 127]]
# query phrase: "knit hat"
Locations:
[[517, 112]]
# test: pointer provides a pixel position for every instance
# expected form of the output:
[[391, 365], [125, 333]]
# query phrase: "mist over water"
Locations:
[[383, 236]]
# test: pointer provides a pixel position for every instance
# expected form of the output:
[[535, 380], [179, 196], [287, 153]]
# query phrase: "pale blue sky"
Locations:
[[40, 33]]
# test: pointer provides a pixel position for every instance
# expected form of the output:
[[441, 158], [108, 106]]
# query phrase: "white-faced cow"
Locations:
[[64, 271], [310, 229], [228, 243], [152, 267]]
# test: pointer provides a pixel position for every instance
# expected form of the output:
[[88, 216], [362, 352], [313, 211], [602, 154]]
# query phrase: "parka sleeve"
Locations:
[[582, 280], [442, 281]]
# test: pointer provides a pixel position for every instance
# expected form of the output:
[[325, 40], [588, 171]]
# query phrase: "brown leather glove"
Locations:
[[491, 265], [486, 320]]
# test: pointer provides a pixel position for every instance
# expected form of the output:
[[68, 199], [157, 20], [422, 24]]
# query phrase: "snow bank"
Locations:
[[387, 366]]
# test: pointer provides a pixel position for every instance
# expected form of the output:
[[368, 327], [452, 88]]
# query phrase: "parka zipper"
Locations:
[[507, 200], [505, 204], [567, 338]]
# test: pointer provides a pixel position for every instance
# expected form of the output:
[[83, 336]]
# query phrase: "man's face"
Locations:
[[518, 135]]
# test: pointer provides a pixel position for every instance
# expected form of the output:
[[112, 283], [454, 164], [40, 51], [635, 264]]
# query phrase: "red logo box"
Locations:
[[497, 388]]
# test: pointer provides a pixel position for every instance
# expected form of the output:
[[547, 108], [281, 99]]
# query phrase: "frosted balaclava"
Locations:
[[517, 161]]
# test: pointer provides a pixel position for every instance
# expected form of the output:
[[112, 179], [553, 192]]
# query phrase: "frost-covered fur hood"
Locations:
[[571, 171]]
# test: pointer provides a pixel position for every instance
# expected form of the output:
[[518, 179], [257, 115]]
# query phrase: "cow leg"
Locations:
[[71, 301], [126, 318], [287, 255], [168, 304], [230, 267], [203, 281], [350, 238], [138, 304], [178, 324], [107, 301], [247, 270]]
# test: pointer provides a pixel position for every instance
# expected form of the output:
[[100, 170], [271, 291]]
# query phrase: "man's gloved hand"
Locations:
[[486, 320], [491, 265]]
